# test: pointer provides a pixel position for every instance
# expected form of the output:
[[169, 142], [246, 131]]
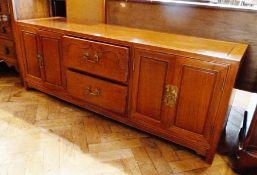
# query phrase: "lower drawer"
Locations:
[[100, 93], [7, 49]]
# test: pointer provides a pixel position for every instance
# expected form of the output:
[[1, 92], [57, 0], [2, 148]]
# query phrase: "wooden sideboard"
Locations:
[[173, 86]]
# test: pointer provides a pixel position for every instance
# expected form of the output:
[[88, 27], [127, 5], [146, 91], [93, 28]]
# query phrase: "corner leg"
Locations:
[[26, 86], [209, 157]]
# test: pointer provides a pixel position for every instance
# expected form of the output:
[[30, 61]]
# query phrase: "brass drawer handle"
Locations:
[[94, 59], [40, 60], [171, 95], [3, 29], [96, 92], [6, 51]]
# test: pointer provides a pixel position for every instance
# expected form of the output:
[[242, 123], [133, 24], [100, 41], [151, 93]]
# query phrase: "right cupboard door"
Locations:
[[199, 91]]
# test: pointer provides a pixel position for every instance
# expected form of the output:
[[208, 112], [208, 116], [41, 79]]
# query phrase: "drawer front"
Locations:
[[105, 60], [3, 7], [7, 49], [100, 93], [6, 30]]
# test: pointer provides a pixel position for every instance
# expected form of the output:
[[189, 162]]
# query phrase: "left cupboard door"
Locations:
[[33, 61]]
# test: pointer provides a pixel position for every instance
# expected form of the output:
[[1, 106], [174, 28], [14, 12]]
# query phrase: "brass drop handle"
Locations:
[[96, 92], [6, 50], [86, 55], [3, 29], [40, 60], [94, 59], [171, 95]]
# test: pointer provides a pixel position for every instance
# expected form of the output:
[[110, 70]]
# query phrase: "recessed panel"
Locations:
[[195, 96], [52, 60], [151, 85], [31, 50]]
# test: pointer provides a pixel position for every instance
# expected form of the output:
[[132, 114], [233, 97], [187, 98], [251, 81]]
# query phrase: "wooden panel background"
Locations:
[[216, 23], [84, 11], [29, 9]]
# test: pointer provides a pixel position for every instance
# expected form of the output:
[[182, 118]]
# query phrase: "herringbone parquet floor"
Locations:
[[41, 135]]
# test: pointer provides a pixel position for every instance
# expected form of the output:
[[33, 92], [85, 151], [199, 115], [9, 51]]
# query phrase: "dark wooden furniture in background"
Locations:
[[7, 44], [176, 87], [246, 160], [206, 20], [10, 11], [58, 7]]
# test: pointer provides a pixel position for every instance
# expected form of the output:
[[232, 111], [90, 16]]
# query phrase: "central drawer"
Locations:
[[105, 60], [103, 94]]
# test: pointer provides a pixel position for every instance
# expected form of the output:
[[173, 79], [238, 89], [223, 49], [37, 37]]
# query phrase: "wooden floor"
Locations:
[[41, 135]]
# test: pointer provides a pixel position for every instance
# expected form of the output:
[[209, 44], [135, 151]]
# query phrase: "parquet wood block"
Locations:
[[40, 135]]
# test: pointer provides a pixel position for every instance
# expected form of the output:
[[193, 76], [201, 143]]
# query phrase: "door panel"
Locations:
[[196, 90], [153, 71], [200, 89], [149, 90], [31, 55], [52, 65]]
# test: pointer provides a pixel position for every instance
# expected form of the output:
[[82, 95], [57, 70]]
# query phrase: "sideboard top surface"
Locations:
[[204, 47]]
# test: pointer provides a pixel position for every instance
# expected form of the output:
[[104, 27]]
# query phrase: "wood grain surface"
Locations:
[[160, 41]]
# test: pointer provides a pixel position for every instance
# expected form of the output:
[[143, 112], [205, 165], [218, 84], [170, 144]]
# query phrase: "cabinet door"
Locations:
[[153, 72], [50, 51], [200, 87], [33, 61]]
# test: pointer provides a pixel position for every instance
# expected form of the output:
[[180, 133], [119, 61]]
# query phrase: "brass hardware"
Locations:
[[171, 95], [94, 59], [96, 92], [40, 60], [96, 56], [133, 65], [86, 55], [3, 29], [6, 50]]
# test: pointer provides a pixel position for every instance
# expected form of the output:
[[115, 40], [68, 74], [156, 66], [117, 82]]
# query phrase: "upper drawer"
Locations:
[[105, 60], [100, 93], [7, 49], [6, 30], [3, 7]]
